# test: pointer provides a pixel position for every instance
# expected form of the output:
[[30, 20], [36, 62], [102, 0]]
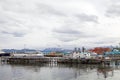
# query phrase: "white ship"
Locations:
[[35, 54]]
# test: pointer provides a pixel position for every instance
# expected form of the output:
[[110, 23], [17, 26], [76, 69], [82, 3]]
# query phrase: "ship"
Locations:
[[2, 53]]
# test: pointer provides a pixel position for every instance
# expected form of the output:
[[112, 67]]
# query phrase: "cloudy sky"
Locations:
[[59, 23]]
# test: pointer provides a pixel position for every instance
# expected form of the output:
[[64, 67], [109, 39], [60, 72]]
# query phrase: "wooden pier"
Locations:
[[53, 60], [84, 61], [29, 60]]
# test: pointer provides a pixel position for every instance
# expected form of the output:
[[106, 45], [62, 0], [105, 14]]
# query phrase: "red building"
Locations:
[[100, 50]]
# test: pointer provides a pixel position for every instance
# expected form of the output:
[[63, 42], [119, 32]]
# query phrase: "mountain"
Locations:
[[59, 50], [18, 51], [46, 50]]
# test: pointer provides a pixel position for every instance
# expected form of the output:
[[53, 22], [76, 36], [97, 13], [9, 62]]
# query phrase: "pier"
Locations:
[[84, 61], [53, 60], [29, 59]]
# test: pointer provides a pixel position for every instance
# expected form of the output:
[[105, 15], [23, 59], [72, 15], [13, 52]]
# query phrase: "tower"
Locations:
[[75, 49], [83, 49], [79, 50]]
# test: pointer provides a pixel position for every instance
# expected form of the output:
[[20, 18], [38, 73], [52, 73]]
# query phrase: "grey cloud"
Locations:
[[69, 38], [36, 9], [70, 34], [66, 31], [47, 9], [87, 18], [114, 9], [102, 42], [7, 20], [15, 34], [66, 35], [2, 21], [11, 26], [66, 38], [107, 40]]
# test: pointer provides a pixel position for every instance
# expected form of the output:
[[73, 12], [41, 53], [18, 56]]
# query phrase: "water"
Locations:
[[58, 72]]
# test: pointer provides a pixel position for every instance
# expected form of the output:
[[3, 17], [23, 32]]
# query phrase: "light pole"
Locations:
[[24, 48]]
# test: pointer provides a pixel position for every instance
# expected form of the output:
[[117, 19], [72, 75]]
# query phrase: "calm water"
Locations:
[[58, 72]]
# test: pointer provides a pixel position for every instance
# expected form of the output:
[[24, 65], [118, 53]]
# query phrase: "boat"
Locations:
[[2, 53]]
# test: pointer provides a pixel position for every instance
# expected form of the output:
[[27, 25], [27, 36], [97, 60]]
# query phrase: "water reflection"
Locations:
[[57, 72], [106, 71]]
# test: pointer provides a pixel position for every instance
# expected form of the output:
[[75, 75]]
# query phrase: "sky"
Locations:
[[59, 23]]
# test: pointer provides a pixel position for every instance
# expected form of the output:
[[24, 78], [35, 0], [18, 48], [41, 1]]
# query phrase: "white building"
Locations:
[[76, 55], [81, 54], [85, 55], [93, 55]]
